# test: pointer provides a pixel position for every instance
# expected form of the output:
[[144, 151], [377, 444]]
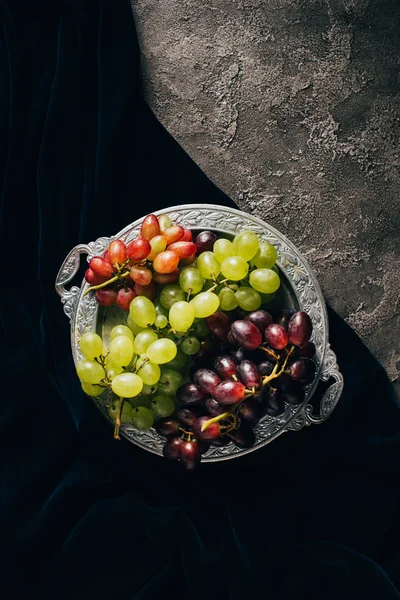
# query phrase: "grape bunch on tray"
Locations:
[[197, 354]]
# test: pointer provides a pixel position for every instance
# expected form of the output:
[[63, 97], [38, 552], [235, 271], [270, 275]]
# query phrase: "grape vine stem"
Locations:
[[275, 372], [118, 418], [105, 283], [220, 417]]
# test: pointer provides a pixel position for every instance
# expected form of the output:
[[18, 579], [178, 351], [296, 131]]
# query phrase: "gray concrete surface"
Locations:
[[292, 107]]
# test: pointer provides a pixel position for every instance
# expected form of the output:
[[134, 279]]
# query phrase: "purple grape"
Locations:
[[214, 408], [205, 241], [211, 433], [284, 317], [248, 373], [238, 354], [243, 437], [208, 349], [300, 328], [260, 318], [274, 404], [229, 392], [167, 427], [206, 380], [246, 334], [307, 350], [293, 392], [219, 324], [225, 366], [250, 410], [190, 454], [266, 367], [302, 370], [190, 394], [187, 416], [276, 336], [172, 448]]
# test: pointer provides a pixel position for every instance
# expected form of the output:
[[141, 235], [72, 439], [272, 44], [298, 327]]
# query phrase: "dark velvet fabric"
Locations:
[[315, 515]]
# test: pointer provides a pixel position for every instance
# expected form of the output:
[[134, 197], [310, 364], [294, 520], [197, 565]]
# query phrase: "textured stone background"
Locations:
[[292, 107]]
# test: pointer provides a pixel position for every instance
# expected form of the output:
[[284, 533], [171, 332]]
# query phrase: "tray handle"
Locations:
[[67, 271]]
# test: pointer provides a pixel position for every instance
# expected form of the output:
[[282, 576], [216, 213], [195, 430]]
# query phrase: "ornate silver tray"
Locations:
[[299, 289]]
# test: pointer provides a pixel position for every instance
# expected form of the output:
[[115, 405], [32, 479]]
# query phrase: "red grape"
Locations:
[[246, 334], [208, 349], [243, 437], [308, 350], [206, 380], [183, 249], [150, 227], [106, 297], [274, 405], [187, 416], [212, 432], [106, 256], [190, 454], [125, 297], [205, 241], [276, 336], [250, 410], [229, 392], [150, 290], [190, 394], [173, 448], [93, 279], [187, 236], [167, 427], [165, 278], [101, 267], [138, 249], [117, 252], [219, 324], [300, 328], [166, 262], [184, 262], [173, 234], [213, 408], [302, 370], [284, 317], [225, 366], [141, 275], [249, 373], [266, 367], [260, 318]]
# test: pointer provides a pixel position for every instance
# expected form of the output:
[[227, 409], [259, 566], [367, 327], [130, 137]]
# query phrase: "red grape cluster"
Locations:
[[250, 367]]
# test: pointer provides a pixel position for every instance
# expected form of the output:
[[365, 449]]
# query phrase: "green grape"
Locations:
[[165, 222], [205, 304], [142, 311], [208, 265], [121, 330], [121, 351], [143, 340], [275, 268], [113, 371], [127, 385], [149, 390], [248, 299], [92, 390], [223, 249], [227, 299], [91, 345], [199, 328], [191, 280], [245, 244], [134, 327], [126, 412], [161, 351], [170, 381], [161, 322], [267, 298], [170, 294], [235, 268], [190, 345], [265, 281], [162, 406], [160, 310], [149, 372], [181, 316], [178, 363], [90, 371], [142, 418], [265, 257]]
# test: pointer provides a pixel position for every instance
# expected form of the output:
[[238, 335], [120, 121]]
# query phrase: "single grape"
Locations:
[[190, 454], [205, 241], [205, 304], [187, 236], [206, 380], [138, 250], [170, 381], [161, 322], [143, 340], [149, 390], [158, 244], [148, 291], [276, 336], [93, 279], [187, 416], [125, 297], [307, 350], [142, 418], [199, 328], [260, 318], [185, 262], [234, 268], [245, 244], [171, 294], [300, 328], [142, 311], [164, 222], [178, 363], [121, 350], [190, 345], [101, 267], [121, 330], [223, 249], [174, 234], [243, 437], [161, 351], [219, 324], [214, 408], [91, 344], [274, 405], [183, 249], [250, 410], [208, 349], [225, 366], [162, 406], [190, 394], [181, 316], [265, 281], [113, 371], [166, 262], [117, 252], [149, 373], [248, 299], [166, 278], [106, 297], [141, 275], [167, 427], [303, 370], [284, 317], [229, 392], [292, 392], [246, 334], [208, 265], [91, 389], [134, 327], [126, 412], [172, 448], [266, 256], [191, 280], [266, 367], [211, 433], [127, 385], [150, 227], [90, 371], [249, 373]]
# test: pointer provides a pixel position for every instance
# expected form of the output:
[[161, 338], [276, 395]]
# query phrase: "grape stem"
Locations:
[[105, 283], [275, 372], [118, 418], [220, 417], [188, 295], [270, 352], [234, 377]]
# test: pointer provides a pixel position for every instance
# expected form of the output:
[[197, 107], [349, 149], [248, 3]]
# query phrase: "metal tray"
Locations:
[[299, 289]]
